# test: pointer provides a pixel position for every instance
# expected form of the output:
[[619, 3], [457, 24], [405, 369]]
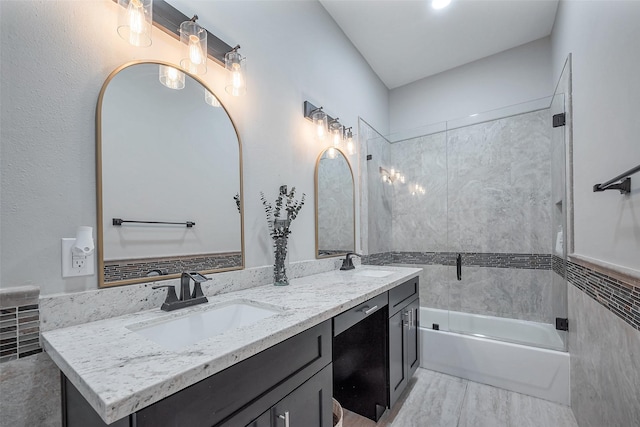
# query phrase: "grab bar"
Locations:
[[624, 186], [459, 266]]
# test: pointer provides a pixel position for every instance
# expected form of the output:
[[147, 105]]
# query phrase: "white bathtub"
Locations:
[[535, 371]]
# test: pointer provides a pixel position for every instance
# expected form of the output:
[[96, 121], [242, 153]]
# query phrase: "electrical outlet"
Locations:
[[74, 264]]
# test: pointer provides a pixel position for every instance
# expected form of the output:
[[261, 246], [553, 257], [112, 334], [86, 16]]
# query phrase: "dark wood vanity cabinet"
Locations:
[[284, 378], [404, 344], [364, 356]]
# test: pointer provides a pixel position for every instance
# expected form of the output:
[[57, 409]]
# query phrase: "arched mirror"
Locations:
[[169, 177], [335, 205]]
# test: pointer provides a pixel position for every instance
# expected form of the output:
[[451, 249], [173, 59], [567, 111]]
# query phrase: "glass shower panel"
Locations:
[[558, 214], [499, 217]]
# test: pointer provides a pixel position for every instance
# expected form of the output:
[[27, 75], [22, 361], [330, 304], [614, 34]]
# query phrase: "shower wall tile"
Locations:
[[524, 294], [380, 194], [605, 364], [30, 392], [420, 220], [511, 293], [500, 185]]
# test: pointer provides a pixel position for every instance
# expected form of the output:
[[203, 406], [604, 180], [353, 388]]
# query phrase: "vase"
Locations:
[[280, 247]]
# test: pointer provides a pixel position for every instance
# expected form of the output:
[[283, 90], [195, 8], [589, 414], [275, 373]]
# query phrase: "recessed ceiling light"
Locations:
[[440, 4]]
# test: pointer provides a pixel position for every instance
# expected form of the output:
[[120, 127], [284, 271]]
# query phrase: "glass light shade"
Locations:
[[194, 47], [237, 73], [335, 129], [319, 119], [210, 99], [135, 19], [171, 77], [351, 148]]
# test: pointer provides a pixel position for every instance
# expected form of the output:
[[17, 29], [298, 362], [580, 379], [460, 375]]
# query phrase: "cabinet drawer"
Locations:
[[403, 294], [345, 320], [213, 399]]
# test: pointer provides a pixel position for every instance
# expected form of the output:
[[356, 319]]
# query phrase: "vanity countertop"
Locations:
[[118, 372]]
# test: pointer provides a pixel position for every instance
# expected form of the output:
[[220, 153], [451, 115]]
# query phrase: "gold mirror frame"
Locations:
[[100, 230], [353, 188]]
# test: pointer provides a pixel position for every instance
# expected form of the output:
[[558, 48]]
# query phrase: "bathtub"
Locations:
[[534, 371]]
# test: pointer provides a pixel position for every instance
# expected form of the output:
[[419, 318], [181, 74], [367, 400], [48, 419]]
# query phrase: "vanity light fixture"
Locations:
[[210, 99], [171, 77], [335, 130], [417, 190], [348, 138], [135, 18], [319, 119], [194, 41], [325, 124], [236, 68]]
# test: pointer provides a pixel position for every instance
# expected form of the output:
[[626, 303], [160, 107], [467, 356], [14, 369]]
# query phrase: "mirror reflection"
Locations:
[[169, 167], [335, 204]]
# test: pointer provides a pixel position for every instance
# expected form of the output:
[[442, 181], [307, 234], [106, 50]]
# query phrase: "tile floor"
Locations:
[[438, 400]]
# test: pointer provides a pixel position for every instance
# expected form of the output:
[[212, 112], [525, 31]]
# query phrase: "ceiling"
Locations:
[[407, 40]]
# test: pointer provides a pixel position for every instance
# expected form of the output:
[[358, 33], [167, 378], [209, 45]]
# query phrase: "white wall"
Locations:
[[511, 77], [51, 74], [602, 37]]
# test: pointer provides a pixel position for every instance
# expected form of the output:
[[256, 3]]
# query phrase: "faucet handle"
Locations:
[[347, 263], [171, 293]]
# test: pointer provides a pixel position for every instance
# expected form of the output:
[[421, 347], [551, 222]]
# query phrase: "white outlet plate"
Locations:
[[67, 262]]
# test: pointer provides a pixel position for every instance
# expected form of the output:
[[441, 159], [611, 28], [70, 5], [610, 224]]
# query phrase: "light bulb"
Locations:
[[350, 148], [332, 153], [195, 51], [136, 21]]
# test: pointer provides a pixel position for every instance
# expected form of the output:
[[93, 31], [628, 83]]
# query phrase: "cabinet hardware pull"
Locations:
[[406, 316], [367, 310], [285, 417]]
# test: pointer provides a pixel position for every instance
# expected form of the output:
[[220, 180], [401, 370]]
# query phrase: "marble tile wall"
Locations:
[[524, 294], [380, 194], [499, 185], [420, 220], [30, 392], [605, 364]]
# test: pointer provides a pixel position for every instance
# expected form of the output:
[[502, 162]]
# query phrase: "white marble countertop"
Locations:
[[119, 372]]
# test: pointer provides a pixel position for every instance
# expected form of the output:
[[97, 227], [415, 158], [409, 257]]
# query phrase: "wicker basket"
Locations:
[[337, 414]]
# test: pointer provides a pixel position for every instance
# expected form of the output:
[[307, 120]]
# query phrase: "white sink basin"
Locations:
[[373, 273], [178, 333]]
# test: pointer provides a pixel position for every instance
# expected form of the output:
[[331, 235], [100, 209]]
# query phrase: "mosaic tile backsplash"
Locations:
[[620, 295], [471, 259], [136, 268], [19, 323]]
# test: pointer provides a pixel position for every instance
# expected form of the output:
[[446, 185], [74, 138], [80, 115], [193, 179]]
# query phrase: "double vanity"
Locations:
[[265, 356]]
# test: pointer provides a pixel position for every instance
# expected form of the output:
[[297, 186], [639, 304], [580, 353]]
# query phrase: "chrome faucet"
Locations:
[[187, 298], [347, 262]]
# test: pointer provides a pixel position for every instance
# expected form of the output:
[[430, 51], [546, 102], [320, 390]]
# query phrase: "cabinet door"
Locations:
[[309, 405], [413, 338], [397, 348], [263, 420]]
